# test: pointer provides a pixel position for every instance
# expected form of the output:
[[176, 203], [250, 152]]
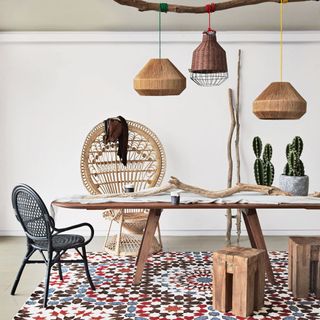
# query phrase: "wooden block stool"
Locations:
[[304, 266], [238, 280]]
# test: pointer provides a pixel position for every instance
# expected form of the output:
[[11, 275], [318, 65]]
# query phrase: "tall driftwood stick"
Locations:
[[154, 6], [237, 142], [230, 163], [237, 119], [229, 144]]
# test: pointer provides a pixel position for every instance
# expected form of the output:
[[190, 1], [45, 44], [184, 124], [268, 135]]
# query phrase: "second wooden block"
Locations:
[[238, 280]]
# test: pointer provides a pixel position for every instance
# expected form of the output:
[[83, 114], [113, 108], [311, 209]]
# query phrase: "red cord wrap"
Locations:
[[210, 8]]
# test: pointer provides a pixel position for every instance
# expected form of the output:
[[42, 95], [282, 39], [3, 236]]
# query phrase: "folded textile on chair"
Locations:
[[117, 130]]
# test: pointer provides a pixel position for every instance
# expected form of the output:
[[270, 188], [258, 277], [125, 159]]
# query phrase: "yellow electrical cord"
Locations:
[[281, 36]]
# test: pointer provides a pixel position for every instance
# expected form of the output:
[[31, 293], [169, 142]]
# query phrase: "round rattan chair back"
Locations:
[[102, 171]]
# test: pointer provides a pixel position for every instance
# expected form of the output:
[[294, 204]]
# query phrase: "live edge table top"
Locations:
[[168, 205]]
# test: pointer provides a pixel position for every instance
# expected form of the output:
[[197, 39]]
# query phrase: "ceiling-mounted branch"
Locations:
[[153, 6]]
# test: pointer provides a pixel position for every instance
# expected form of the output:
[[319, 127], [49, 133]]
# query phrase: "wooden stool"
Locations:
[[238, 280], [304, 266]]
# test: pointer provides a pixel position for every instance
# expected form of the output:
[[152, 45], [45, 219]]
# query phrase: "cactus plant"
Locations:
[[263, 168], [257, 146], [297, 144], [294, 166]]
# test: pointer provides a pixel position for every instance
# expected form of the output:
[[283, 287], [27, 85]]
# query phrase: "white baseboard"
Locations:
[[199, 233]]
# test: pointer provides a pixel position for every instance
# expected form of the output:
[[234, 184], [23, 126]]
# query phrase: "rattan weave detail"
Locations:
[[129, 244], [61, 242], [31, 215], [209, 62]]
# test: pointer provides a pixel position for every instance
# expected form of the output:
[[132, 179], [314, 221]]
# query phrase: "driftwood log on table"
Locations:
[[230, 191], [316, 194], [175, 183], [153, 6], [143, 193]]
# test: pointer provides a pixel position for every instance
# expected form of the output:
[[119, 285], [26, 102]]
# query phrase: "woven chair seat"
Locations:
[[128, 216], [61, 242]]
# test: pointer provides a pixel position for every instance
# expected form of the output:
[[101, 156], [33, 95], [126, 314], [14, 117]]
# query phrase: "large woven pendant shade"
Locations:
[[209, 62], [159, 77], [280, 100]]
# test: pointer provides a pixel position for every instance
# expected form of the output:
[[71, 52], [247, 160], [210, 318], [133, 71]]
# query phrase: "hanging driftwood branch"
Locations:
[[237, 142], [153, 6], [230, 163]]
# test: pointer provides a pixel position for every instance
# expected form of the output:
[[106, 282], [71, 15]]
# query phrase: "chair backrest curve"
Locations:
[[102, 171], [31, 212]]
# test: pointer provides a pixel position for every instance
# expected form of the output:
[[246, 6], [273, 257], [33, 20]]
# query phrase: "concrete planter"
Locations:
[[297, 186]]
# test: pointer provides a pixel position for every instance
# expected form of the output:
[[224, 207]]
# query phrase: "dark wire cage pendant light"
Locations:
[[209, 62]]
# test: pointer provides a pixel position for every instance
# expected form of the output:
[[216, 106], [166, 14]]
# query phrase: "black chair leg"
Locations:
[[85, 261], [29, 253], [47, 282], [59, 268], [60, 271]]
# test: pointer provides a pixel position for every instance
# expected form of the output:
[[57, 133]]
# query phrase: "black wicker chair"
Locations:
[[43, 236]]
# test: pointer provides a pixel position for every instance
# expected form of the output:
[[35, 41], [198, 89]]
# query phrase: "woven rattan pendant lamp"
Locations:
[[209, 61], [280, 100], [159, 77]]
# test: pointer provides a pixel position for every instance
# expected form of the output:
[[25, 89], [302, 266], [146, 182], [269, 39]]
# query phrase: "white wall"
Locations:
[[54, 87]]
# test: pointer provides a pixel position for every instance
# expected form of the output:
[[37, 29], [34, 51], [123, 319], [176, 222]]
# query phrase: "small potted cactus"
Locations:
[[293, 179], [263, 168]]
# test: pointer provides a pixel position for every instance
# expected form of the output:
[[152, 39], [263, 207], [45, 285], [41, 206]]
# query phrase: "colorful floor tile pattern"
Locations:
[[175, 286]]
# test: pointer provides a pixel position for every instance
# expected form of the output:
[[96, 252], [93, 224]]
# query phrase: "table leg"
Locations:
[[256, 237], [148, 234], [249, 229]]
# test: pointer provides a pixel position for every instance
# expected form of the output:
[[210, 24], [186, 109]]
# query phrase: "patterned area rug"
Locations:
[[175, 286]]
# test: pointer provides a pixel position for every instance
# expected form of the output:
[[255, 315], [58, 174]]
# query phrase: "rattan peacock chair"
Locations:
[[103, 173]]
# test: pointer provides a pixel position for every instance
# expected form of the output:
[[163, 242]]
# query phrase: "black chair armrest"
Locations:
[[80, 225]]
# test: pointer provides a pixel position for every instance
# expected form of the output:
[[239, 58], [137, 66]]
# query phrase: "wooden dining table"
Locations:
[[249, 213]]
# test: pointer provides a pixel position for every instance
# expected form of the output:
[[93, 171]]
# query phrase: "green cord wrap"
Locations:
[[163, 7]]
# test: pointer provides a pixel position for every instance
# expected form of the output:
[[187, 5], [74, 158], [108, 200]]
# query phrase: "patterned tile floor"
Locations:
[[175, 286]]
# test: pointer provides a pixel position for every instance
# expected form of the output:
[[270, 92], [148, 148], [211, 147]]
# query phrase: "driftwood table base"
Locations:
[[253, 228]]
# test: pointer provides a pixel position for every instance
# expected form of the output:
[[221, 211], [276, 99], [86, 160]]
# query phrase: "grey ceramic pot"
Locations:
[[297, 186]]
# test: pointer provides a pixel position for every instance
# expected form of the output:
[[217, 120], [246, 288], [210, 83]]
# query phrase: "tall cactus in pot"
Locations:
[[294, 166], [263, 168], [294, 180]]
